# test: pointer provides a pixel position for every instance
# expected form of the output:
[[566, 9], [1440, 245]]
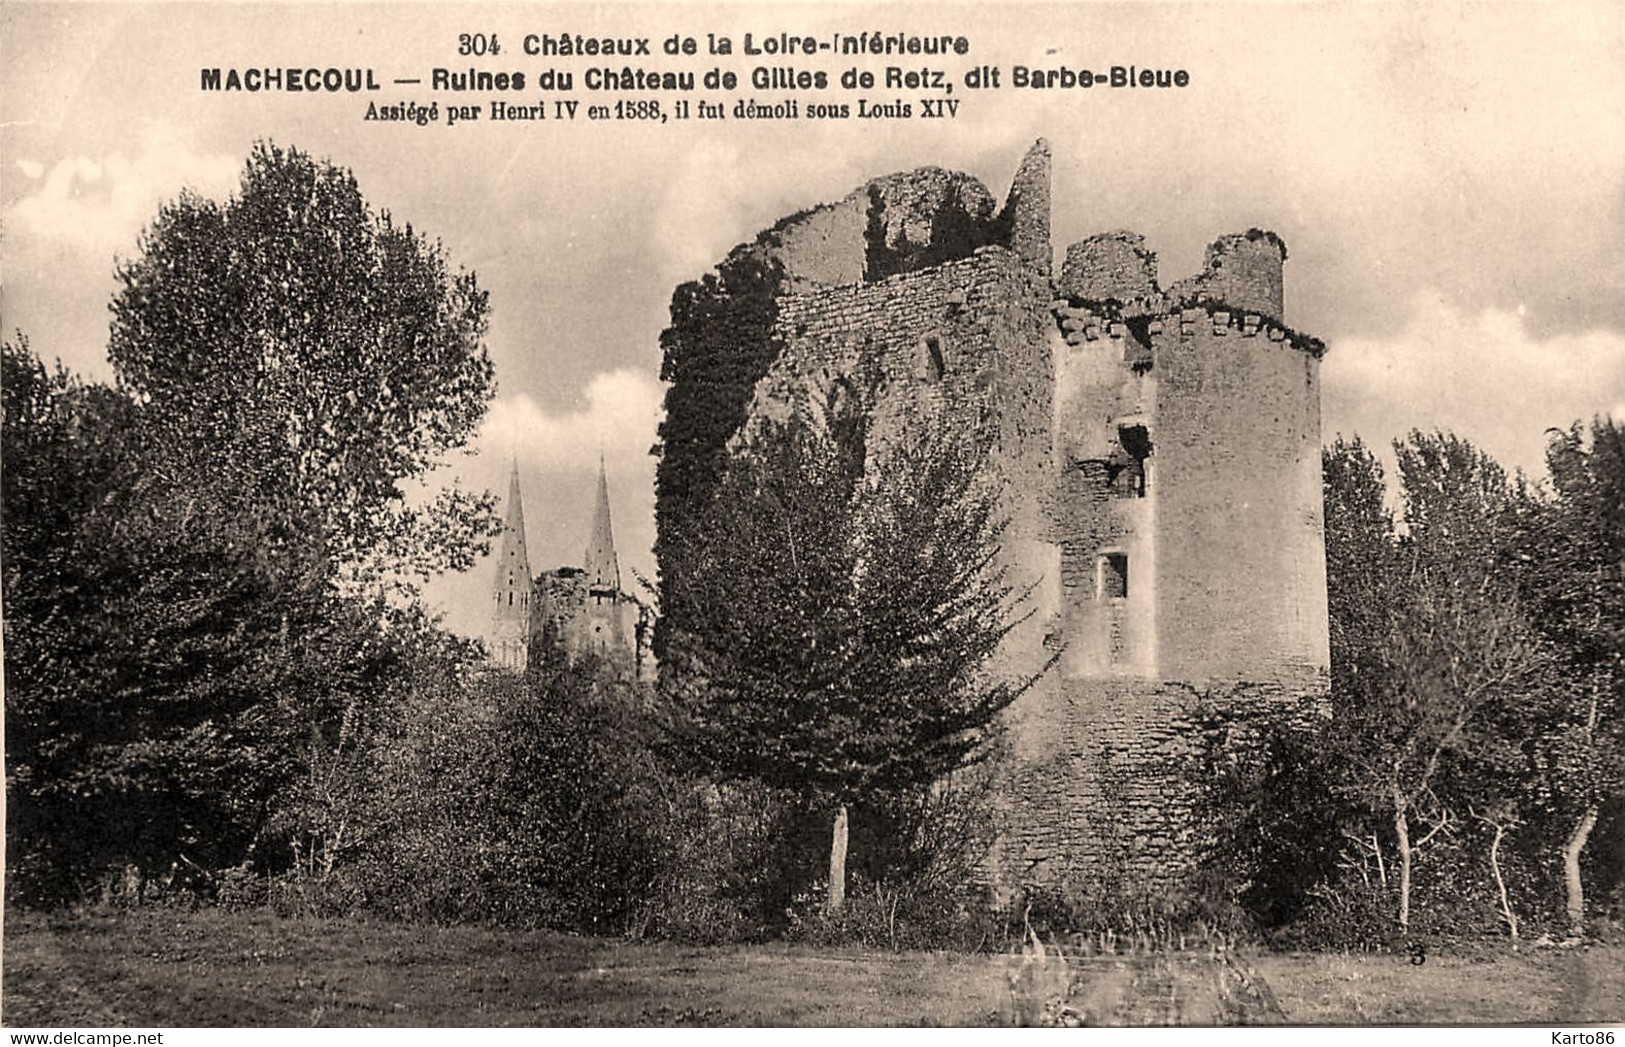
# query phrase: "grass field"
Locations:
[[208, 968]]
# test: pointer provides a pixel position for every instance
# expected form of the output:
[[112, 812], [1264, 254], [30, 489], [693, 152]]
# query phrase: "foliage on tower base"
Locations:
[[719, 344]]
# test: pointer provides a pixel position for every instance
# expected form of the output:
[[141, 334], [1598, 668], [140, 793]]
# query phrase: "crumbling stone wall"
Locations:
[[894, 224], [1027, 208], [966, 338], [1109, 267], [724, 333], [1112, 798], [1105, 398]]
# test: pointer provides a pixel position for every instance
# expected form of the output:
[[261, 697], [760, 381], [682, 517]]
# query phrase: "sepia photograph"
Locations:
[[812, 514]]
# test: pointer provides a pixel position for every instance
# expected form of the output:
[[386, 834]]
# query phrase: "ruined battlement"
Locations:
[[1083, 321], [1110, 267], [1027, 208], [1115, 271], [1241, 270], [893, 224]]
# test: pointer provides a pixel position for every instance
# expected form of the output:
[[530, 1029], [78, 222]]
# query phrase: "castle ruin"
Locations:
[[1160, 449]]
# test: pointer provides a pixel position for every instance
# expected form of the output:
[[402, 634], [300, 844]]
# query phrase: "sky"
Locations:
[[1450, 181]]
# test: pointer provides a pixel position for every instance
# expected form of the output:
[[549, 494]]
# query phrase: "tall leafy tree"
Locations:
[[1362, 562], [1430, 645], [846, 613], [306, 361], [183, 625], [1572, 565]]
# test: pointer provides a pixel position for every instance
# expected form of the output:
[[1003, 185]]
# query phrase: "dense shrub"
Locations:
[[523, 801], [919, 876], [1348, 913], [734, 855]]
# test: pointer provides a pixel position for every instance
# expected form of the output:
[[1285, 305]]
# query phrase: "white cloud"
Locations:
[[558, 453], [64, 226], [701, 216], [1483, 376], [618, 417], [722, 189], [98, 205]]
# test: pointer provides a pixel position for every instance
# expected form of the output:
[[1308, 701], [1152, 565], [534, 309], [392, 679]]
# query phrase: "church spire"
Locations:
[[510, 618], [603, 571]]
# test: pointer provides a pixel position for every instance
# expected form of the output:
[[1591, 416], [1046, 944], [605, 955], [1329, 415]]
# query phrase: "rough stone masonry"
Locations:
[[1161, 452]]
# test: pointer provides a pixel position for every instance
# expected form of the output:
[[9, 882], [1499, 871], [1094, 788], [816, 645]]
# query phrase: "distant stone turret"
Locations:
[[603, 570], [582, 610], [510, 615]]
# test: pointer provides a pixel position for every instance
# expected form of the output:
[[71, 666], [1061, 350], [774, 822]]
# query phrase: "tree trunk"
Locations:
[[1576, 900], [1500, 884], [1402, 831], [1571, 870], [837, 864]]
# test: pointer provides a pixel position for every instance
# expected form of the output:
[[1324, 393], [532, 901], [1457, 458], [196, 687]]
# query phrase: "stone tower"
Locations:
[[510, 614], [603, 570], [1192, 568], [581, 611], [1188, 436]]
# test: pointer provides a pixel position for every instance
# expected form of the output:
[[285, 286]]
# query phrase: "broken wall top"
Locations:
[[909, 221], [1242, 271]]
